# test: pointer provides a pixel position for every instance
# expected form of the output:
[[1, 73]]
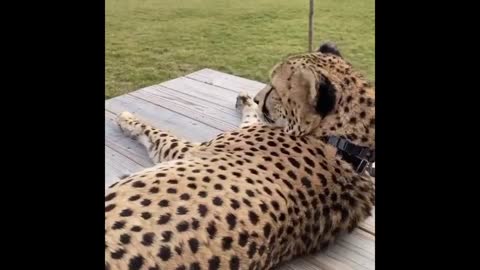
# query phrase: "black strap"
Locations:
[[357, 163], [358, 156], [352, 149]]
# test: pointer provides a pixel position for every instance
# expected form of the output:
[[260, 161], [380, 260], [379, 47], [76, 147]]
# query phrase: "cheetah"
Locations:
[[257, 196]]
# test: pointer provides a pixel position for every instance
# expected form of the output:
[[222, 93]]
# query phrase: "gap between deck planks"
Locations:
[[197, 107]]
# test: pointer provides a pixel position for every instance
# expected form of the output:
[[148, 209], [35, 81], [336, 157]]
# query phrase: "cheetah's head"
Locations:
[[319, 93]]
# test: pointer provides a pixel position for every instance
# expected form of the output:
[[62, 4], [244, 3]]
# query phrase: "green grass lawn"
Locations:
[[150, 41]]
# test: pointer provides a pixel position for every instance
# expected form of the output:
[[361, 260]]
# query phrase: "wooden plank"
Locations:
[[357, 250], [339, 255], [117, 165], [211, 93], [187, 96], [167, 120], [325, 262], [201, 113], [369, 224], [227, 81], [300, 264], [351, 252], [359, 240]]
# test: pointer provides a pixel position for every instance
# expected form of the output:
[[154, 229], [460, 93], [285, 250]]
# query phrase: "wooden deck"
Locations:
[[198, 107]]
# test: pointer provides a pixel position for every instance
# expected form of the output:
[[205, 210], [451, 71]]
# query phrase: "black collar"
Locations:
[[357, 156]]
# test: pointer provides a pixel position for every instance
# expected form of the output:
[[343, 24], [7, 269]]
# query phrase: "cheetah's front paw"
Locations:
[[243, 99]]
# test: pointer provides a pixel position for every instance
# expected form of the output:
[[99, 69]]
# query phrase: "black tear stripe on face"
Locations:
[[264, 108]]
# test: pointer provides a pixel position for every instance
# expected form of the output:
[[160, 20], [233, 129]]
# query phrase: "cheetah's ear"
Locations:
[[326, 97], [329, 47], [301, 111]]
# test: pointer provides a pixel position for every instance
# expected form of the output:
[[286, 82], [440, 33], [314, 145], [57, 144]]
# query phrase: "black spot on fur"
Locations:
[[195, 224], [263, 207], [110, 196], [252, 249], [250, 193], [292, 175], [179, 249], [262, 249], [147, 239], [202, 210], [164, 253], [309, 162], [164, 219], [118, 225], [279, 166], [211, 229], [288, 184], [135, 263], [117, 254], [234, 204], [109, 207], [163, 203], [167, 235], [195, 266], [294, 162], [306, 182], [227, 243], [234, 189], [181, 210], [146, 215], [154, 190], [253, 217], [243, 239], [125, 239], [231, 220], [193, 244], [134, 198], [138, 184], [185, 197], [145, 202], [234, 263], [217, 201], [182, 226], [267, 229], [214, 263], [136, 228]]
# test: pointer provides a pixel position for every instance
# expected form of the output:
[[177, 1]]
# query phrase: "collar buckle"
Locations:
[[359, 157], [361, 166]]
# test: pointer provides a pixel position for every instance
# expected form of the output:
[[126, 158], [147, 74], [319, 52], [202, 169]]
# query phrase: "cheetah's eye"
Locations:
[[256, 100]]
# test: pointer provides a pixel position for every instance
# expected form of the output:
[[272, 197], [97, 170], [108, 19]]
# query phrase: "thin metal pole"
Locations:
[[310, 27]]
